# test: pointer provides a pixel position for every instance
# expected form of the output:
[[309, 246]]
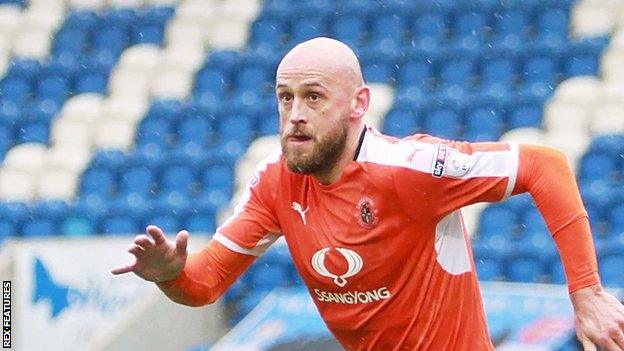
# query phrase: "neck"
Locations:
[[332, 175]]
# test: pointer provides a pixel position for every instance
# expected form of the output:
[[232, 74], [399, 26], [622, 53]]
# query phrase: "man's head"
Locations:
[[322, 99]]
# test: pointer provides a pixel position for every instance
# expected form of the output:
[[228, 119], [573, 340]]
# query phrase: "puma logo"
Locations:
[[297, 207]]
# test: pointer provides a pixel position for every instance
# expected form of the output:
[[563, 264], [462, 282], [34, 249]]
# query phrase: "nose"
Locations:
[[298, 113]]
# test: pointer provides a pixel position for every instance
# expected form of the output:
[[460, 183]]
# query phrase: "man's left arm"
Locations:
[[544, 173]]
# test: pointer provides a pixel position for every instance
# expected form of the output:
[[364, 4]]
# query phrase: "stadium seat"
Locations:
[[610, 270], [401, 123], [443, 123], [119, 225], [526, 268]]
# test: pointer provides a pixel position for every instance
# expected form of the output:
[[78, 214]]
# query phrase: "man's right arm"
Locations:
[[206, 275]]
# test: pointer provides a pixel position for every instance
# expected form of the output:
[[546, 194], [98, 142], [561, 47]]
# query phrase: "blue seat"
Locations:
[[270, 277], [616, 219], [236, 128], [75, 41], [212, 80], [581, 65], [166, 108], [532, 223], [35, 132], [415, 72], [303, 29], [99, 181], [349, 29], [154, 128], [75, 224], [120, 224], [16, 90], [597, 166], [39, 227], [457, 72], [556, 272], [49, 209], [511, 23], [25, 68], [269, 124], [267, 32], [200, 223], [109, 159], [443, 123], [484, 124], [389, 27], [525, 116], [177, 177], [525, 268], [612, 144], [430, 26], [81, 20], [379, 72], [168, 223], [195, 128], [470, 26], [251, 78], [14, 211], [218, 177], [148, 34], [497, 220], [92, 83], [542, 69], [10, 112], [121, 17], [321, 8], [552, 28], [7, 229], [499, 70], [138, 179], [110, 36], [401, 123], [53, 87], [155, 15], [489, 261], [611, 270]]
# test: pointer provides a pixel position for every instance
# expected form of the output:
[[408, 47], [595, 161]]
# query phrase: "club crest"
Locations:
[[367, 215]]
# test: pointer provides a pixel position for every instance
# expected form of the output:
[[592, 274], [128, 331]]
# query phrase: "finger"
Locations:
[[182, 242], [136, 250], [144, 242], [587, 344], [619, 339], [157, 234], [123, 269]]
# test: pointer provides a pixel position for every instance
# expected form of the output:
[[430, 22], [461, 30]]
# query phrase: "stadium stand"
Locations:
[[116, 114]]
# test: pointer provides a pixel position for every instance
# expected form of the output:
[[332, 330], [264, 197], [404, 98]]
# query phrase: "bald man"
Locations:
[[373, 223]]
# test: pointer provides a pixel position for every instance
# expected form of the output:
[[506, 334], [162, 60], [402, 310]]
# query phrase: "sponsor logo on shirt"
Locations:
[[354, 261], [297, 207], [439, 162], [450, 162], [355, 264], [353, 297]]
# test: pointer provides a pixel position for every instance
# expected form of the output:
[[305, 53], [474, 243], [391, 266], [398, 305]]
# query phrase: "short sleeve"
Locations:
[[458, 174], [253, 226]]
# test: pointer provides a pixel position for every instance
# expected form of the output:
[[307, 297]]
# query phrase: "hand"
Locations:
[[599, 319], [157, 259]]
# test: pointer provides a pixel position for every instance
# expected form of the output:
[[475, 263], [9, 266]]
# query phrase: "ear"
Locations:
[[360, 101]]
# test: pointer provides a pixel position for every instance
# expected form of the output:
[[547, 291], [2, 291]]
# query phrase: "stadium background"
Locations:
[[119, 113]]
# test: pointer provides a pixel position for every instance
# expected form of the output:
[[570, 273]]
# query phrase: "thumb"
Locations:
[[182, 242], [587, 344]]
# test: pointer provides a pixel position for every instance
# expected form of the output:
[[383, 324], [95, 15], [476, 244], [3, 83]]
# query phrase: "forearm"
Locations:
[[546, 175], [206, 275]]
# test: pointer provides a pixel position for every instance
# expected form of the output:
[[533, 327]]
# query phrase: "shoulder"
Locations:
[[268, 169]]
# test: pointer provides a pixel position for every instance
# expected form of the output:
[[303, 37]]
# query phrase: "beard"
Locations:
[[325, 151]]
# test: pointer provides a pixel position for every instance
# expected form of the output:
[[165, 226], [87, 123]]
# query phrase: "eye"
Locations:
[[314, 97], [285, 97]]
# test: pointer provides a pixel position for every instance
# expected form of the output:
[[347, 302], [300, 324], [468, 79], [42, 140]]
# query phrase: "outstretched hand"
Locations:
[[157, 259], [599, 318]]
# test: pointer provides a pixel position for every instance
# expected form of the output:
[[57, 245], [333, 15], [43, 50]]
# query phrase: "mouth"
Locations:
[[298, 139]]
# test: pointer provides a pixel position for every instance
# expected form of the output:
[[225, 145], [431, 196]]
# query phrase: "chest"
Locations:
[[341, 237]]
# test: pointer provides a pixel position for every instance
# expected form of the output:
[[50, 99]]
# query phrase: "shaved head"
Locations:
[[322, 99], [324, 56]]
